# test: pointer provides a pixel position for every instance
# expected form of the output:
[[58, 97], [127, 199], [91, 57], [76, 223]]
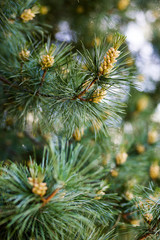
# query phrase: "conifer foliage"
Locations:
[[62, 90], [82, 187], [53, 83], [41, 201]]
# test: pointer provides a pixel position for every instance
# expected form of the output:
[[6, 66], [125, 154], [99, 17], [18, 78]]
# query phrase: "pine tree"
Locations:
[[69, 172]]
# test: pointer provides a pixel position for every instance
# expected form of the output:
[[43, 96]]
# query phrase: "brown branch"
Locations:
[[4, 80], [79, 96], [84, 99], [43, 77], [146, 235], [46, 200], [152, 231], [84, 91], [42, 81], [117, 221]]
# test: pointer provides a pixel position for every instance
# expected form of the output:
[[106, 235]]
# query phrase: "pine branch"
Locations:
[[151, 231], [43, 77], [46, 200], [42, 81], [74, 96], [117, 221], [72, 207], [85, 90], [4, 80]]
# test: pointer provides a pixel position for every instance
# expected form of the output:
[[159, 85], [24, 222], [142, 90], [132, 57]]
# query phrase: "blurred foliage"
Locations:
[[129, 155]]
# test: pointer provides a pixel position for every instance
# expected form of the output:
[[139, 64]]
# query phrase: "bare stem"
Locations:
[[151, 232], [46, 200], [42, 81], [117, 221], [43, 77], [4, 80], [145, 236], [84, 91]]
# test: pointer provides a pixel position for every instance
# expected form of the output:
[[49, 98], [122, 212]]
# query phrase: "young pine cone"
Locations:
[[27, 15], [98, 95], [154, 171], [24, 54], [39, 188], [123, 4], [129, 195], [140, 148], [142, 104], [99, 194], [152, 137], [47, 61], [78, 133], [109, 60], [148, 217], [135, 222], [121, 158], [114, 173]]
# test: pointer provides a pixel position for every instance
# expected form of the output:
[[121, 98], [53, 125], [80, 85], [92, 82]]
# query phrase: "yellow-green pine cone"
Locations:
[[148, 217], [152, 136], [140, 148], [154, 171], [39, 189], [78, 133], [46, 61], [27, 15], [108, 63], [24, 54], [98, 95], [121, 158]]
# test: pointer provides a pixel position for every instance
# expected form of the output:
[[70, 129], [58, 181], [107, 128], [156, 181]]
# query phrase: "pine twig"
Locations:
[[4, 80], [42, 81], [117, 221], [46, 200], [84, 91], [84, 99], [43, 77], [144, 236]]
